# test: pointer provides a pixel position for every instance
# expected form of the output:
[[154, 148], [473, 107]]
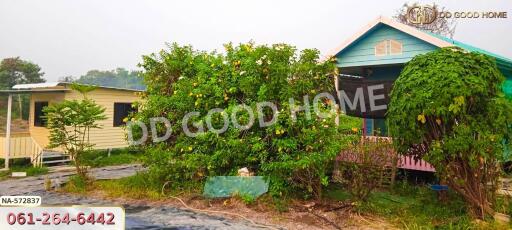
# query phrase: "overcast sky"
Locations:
[[71, 37]]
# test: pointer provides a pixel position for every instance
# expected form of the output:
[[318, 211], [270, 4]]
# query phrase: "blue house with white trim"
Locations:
[[382, 48]]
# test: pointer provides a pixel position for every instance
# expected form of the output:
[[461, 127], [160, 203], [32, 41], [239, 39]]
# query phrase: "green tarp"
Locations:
[[227, 186], [507, 88]]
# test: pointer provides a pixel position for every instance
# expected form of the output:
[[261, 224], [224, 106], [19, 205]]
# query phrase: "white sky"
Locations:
[[71, 37]]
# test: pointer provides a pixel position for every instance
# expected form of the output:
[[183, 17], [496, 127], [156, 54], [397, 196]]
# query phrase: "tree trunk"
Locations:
[[472, 184]]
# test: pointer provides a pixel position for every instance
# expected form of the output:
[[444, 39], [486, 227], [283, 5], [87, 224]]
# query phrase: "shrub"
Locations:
[[363, 167], [293, 154]]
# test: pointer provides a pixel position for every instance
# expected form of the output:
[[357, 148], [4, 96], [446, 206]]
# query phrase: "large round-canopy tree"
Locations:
[[447, 107]]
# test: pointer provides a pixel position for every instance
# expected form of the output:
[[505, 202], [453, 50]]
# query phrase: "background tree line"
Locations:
[[119, 78]]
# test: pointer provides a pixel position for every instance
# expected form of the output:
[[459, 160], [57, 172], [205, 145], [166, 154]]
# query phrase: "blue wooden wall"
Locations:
[[362, 52]]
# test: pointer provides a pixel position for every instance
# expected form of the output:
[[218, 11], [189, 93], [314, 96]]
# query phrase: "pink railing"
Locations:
[[408, 162], [404, 162]]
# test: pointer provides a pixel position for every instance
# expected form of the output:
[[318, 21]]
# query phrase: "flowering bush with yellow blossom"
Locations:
[[294, 154]]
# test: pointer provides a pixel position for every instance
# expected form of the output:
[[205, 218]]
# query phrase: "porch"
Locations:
[[20, 145], [16, 139]]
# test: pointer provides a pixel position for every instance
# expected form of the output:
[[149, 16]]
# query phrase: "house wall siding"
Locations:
[[41, 134], [106, 137]]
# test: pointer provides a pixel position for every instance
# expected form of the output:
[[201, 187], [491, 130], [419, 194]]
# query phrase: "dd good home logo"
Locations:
[[421, 14]]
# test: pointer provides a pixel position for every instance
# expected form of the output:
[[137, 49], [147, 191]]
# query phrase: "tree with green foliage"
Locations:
[[447, 107], [119, 78], [15, 71], [70, 123], [295, 154]]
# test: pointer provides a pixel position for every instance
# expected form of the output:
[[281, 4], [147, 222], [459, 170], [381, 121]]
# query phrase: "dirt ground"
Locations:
[[300, 215]]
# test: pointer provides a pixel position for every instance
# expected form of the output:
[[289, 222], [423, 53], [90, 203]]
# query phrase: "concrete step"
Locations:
[[50, 158], [57, 161], [47, 156]]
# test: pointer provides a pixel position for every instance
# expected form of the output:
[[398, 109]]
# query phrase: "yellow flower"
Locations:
[[355, 130], [190, 148], [191, 94], [421, 118]]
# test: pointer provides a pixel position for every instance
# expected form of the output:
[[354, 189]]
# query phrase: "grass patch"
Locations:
[[136, 187], [140, 186], [101, 158], [416, 207], [77, 184], [21, 165]]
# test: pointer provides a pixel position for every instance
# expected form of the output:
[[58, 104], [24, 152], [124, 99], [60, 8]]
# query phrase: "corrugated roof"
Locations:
[[36, 85], [55, 84], [41, 90]]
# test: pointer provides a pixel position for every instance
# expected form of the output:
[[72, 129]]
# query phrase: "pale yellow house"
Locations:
[[32, 142]]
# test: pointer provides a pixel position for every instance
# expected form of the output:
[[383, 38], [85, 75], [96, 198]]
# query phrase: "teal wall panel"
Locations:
[[361, 52]]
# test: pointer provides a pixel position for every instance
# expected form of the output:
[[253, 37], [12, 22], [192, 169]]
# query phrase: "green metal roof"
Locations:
[[503, 63], [470, 47]]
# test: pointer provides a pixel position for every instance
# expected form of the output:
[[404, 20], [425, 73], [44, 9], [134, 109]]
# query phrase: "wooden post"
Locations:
[[364, 127], [336, 86], [8, 132]]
